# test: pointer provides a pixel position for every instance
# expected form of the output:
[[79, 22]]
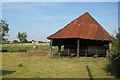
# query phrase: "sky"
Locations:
[[41, 19]]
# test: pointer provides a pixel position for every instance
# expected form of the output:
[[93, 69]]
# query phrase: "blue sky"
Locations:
[[41, 19]]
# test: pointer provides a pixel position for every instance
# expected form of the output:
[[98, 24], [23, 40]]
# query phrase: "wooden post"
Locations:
[[68, 52], [50, 48], [110, 46], [109, 50], [86, 53], [107, 54], [78, 42]]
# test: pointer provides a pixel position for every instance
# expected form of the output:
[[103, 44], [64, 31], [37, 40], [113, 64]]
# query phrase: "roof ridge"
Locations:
[[94, 20]]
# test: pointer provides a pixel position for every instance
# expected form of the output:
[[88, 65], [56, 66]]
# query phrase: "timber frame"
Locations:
[[77, 45]]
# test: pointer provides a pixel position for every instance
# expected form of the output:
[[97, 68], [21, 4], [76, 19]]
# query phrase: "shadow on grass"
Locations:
[[114, 68], [5, 72], [90, 75]]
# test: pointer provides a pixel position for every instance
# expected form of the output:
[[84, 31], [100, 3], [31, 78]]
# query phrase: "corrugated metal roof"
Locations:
[[85, 27]]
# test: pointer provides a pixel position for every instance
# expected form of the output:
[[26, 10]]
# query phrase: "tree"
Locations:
[[4, 30], [15, 41], [33, 40], [40, 42], [29, 42], [22, 37], [114, 66], [116, 46]]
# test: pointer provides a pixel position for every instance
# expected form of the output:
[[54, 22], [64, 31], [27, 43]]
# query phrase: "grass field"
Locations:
[[26, 46], [14, 44], [15, 66]]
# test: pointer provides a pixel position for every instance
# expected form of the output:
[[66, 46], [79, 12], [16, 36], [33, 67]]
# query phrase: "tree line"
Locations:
[[22, 37]]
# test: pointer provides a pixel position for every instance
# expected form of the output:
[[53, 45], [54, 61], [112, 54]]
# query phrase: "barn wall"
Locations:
[[99, 50]]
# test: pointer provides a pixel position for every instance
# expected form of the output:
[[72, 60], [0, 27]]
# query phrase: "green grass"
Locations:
[[27, 46], [20, 65], [15, 48], [44, 67]]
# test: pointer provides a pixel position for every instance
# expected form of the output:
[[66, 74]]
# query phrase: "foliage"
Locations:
[[29, 42], [116, 46], [15, 41], [40, 42], [7, 42], [20, 65], [22, 37], [114, 66], [33, 40], [4, 30]]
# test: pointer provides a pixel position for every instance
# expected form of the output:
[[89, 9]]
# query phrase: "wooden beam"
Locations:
[[78, 46], [50, 48]]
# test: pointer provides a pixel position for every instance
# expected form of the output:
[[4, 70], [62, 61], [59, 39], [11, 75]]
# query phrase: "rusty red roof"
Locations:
[[85, 27]]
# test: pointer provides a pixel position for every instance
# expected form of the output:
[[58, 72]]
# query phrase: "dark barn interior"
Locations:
[[86, 47], [84, 36]]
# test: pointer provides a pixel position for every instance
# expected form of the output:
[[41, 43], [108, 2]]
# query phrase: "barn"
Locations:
[[84, 36]]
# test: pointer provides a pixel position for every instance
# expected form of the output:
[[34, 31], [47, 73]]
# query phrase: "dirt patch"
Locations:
[[35, 53], [22, 50]]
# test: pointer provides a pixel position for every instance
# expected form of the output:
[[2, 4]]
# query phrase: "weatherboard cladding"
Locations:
[[85, 27]]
